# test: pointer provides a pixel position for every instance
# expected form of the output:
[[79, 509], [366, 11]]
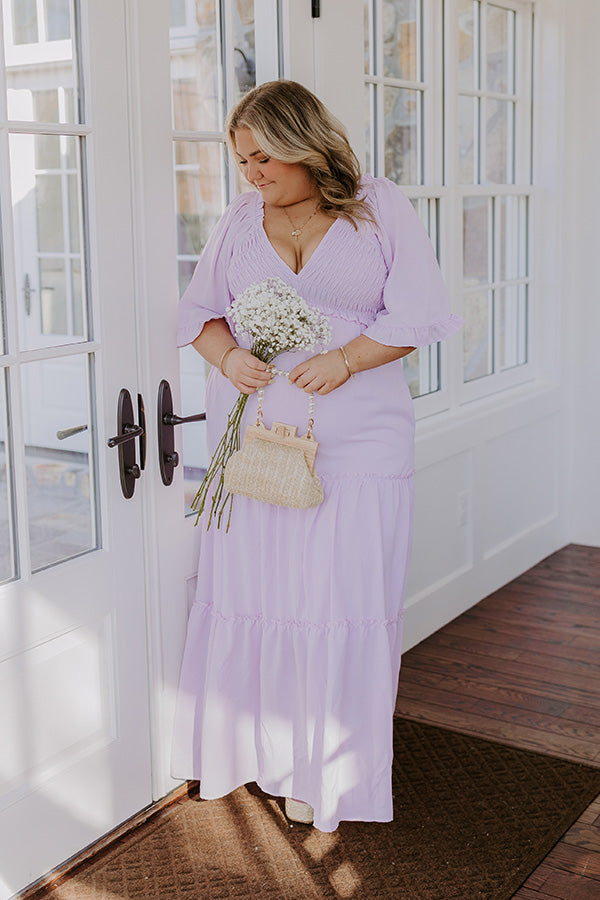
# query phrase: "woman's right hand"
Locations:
[[245, 371]]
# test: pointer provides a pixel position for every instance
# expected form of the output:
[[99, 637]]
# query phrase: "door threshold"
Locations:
[[63, 872]]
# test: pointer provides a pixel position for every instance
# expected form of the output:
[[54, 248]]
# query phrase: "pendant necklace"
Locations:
[[299, 228]]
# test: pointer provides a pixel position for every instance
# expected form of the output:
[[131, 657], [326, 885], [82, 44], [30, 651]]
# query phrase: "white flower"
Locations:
[[275, 319]]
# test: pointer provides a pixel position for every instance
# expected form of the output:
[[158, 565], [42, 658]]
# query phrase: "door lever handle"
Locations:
[[142, 421], [129, 470], [129, 433], [168, 458], [172, 419]]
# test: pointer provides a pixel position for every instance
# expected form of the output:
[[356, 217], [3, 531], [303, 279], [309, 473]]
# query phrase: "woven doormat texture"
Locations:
[[472, 819]]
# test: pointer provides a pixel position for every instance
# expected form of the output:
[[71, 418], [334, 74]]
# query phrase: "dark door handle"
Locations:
[[172, 419], [128, 431], [142, 421], [168, 458]]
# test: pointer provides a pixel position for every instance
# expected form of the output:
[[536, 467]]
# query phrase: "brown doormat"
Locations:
[[472, 819]]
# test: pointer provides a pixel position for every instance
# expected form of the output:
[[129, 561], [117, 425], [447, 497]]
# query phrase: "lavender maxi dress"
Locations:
[[291, 663]]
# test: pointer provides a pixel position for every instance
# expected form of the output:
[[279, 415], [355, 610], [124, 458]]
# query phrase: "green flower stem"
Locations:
[[227, 446]]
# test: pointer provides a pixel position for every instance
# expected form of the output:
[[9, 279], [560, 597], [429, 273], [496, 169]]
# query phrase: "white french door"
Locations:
[[74, 700]]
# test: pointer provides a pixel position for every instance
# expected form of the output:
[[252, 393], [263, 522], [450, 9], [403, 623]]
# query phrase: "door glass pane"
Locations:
[[7, 532], [195, 69], [468, 67], [59, 465], [244, 51], [512, 316], [477, 335], [200, 191], [41, 61], [500, 57], [500, 140], [476, 240], [47, 210], [512, 262], [402, 110], [468, 140], [401, 40]]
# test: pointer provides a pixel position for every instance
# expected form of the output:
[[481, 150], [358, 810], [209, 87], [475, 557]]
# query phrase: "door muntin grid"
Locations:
[[49, 373]]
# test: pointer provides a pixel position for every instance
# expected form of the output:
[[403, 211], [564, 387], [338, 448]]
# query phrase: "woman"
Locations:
[[292, 657]]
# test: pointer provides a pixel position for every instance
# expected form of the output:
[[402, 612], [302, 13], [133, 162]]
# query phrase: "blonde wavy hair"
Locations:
[[291, 125]]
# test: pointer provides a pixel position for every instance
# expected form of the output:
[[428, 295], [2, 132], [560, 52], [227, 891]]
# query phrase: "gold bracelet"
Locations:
[[350, 372], [223, 357]]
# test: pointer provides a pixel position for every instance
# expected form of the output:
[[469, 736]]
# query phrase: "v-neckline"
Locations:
[[261, 225]]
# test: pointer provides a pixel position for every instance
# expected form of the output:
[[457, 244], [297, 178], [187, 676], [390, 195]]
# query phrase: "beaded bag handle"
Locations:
[[311, 405]]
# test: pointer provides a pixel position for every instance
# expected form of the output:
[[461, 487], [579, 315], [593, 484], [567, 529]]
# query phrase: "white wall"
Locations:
[[581, 320]]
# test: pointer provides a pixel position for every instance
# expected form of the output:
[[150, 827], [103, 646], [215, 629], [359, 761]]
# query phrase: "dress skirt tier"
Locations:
[[290, 668]]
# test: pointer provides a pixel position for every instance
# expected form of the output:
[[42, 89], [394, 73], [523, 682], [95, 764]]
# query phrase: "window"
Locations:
[[401, 124], [493, 171], [448, 117]]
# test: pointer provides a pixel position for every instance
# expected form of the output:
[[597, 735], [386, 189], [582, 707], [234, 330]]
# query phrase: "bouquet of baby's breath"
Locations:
[[275, 319]]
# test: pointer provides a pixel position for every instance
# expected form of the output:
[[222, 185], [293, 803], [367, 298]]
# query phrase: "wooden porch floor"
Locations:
[[523, 668]]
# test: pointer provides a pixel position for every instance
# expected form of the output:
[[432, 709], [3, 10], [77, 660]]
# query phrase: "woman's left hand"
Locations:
[[321, 374]]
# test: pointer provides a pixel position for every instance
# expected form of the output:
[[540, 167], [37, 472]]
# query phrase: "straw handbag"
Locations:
[[275, 465]]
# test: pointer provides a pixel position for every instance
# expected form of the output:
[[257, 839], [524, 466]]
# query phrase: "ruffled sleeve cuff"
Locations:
[[385, 331], [190, 326]]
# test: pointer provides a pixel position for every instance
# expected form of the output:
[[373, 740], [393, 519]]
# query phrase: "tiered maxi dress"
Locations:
[[291, 663]]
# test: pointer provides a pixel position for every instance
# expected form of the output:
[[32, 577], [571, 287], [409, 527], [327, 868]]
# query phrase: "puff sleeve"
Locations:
[[416, 309], [207, 296]]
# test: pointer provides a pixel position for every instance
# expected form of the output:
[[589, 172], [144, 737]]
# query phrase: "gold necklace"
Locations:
[[298, 229]]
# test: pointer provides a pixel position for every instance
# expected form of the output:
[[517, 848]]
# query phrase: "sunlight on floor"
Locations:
[[319, 843], [344, 880]]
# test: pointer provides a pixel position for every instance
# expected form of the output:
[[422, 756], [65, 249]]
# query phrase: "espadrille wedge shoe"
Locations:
[[298, 811]]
